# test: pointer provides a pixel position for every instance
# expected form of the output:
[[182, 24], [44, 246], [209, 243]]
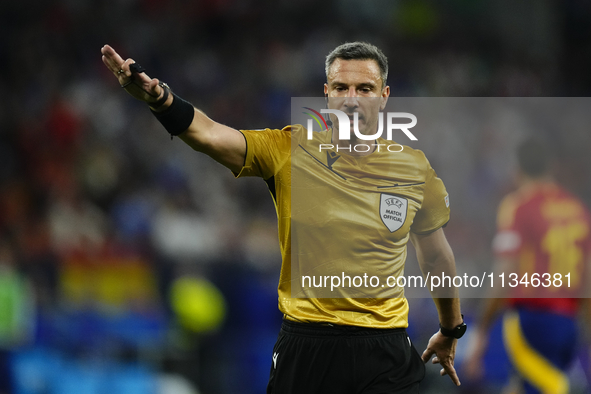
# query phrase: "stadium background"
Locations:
[[107, 227]]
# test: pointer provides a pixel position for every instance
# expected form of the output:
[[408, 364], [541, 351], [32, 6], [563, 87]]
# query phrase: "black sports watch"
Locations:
[[456, 332]]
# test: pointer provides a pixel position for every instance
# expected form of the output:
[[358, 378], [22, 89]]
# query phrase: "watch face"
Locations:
[[460, 330]]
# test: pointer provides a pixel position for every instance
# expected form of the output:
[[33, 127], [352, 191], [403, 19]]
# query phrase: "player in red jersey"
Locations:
[[543, 247]]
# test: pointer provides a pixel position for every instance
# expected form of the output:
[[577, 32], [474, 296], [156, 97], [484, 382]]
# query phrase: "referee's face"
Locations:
[[357, 86]]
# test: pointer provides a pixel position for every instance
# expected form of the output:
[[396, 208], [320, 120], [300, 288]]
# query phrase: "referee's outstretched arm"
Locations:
[[435, 256], [224, 144]]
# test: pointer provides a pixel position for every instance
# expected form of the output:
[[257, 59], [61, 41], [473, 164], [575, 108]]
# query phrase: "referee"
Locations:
[[349, 344]]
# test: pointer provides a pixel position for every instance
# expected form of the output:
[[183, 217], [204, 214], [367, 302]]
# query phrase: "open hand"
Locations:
[[142, 87], [444, 350]]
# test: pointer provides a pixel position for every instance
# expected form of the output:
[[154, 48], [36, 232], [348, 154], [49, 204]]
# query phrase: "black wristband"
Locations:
[[178, 117], [456, 332]]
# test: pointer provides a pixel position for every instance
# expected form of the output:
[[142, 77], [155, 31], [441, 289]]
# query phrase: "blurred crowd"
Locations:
[[107, 226]]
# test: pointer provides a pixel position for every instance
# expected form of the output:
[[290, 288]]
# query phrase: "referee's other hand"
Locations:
[[444, 350]]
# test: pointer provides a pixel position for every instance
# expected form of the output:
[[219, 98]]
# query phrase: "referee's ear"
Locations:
[[385, 95]]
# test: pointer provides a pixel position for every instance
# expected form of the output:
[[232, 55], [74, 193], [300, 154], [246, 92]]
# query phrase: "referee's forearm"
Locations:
[[224, 144], [200, 133], [446, 300], [449, 311]]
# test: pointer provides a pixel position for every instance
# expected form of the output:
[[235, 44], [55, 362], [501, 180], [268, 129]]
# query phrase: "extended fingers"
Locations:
[[448, 369], [144, 79], [110, 63], [111, 54], [123, 73], [143, 87], [111, 58], [125, 68], [453, 376], [116, 64]]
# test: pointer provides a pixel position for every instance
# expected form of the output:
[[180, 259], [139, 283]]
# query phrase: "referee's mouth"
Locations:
[[351, 117]]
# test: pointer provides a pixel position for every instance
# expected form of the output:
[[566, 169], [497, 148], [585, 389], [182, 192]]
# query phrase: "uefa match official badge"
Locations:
[[393, 211]]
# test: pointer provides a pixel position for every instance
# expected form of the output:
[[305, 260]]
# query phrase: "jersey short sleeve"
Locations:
[[266, 152], [509, 237], [434, 211]]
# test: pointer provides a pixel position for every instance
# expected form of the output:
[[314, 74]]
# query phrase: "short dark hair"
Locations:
[[534, 157], [359, 50]]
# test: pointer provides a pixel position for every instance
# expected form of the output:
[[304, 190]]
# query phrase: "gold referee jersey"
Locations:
[[345, 216]]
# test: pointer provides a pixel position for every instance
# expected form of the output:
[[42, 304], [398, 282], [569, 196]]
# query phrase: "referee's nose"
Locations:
[[352, 99]]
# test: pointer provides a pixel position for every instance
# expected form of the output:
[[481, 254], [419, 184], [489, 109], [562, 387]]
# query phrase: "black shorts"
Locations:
[[323, 359]]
